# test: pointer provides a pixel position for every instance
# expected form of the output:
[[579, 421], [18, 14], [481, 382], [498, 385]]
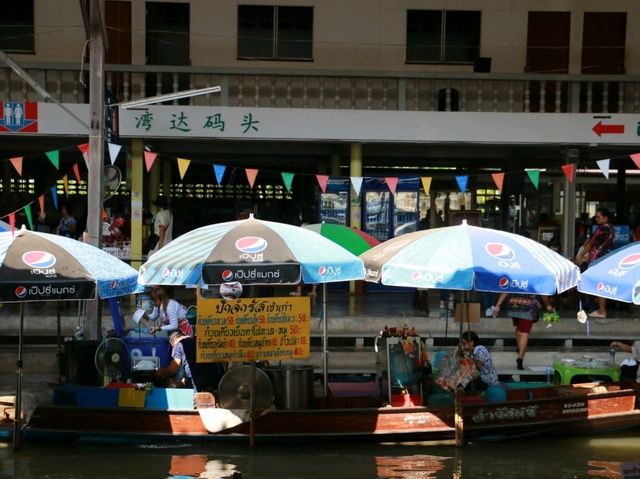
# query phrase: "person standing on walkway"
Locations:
[[597, 246], [523, 310], [162, 224]]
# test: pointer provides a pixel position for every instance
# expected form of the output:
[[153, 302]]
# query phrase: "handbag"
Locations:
[[152, 241], [524, 307]]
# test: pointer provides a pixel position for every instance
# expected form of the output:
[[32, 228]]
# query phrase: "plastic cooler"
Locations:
[[158, 347]]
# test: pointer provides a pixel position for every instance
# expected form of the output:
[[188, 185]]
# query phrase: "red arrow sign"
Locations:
[[600, 129]]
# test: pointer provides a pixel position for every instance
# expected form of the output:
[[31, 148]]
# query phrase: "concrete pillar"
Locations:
[[154, 183], [621, 205], [355, 169], [137, 191], [569, 218]]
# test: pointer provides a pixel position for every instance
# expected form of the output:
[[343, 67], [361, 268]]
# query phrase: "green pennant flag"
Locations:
[[287, 178], [54, 157], [534, 176], [27, 212]]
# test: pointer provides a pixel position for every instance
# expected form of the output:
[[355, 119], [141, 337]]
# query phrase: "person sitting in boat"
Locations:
[[172, 314], [184, 371], [483, 361]]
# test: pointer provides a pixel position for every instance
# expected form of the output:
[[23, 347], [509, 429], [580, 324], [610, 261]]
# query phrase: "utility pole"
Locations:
[[97, 38]]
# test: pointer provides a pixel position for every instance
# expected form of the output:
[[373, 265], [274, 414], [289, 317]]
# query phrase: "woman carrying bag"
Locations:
[[172, 314]]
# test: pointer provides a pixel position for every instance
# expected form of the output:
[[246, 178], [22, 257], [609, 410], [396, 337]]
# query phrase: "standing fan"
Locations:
[[112, 180], [111, 359]]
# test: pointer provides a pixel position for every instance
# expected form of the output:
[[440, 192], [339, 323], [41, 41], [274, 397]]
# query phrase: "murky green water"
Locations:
[[573, 458]]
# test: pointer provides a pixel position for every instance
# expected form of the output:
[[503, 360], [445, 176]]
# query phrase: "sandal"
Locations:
[[597, 314]]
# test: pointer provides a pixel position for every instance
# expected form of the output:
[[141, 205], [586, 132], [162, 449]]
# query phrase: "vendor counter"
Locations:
[[572, 371]]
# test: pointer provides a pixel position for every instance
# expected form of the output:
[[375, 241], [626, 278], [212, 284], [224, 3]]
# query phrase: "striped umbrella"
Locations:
[[351, 239], [467, 257]]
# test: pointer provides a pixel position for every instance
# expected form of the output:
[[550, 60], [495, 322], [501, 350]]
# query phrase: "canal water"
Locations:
[[571, 458]]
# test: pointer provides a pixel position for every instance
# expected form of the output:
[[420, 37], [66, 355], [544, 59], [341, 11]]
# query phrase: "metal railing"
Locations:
[[344, 89]]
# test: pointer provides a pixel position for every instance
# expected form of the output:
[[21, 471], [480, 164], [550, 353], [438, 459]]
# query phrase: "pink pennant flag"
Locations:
[[569, 171], [12, 223], [392, 183], [76, 172], [251, 175], [84, 149], [149, 158], [636, 159], [17, 164], [323, 180], [498, 179]]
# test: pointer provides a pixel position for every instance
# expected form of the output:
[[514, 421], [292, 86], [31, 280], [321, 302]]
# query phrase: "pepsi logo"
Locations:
[[114, 284], [600, 286], [38, 259], [322, 270], [629, 261], [500, 251], [166, 272], [416, 276], [251, 244], [503, 282], [227, 275], [21, 292]]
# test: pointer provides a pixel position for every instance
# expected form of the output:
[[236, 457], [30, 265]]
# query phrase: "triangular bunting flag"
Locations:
[[149, 158], [568, 171], [27, 213], [356, 182], [76, 172], [219, 172], [323, 181], [392, 183], [12, 222], [54, 197], [462, 182], [65, 182], [54, 157], [251, 176], [426, 183], [41, 202], [84, 149], [183, 166], [288, 179], [636, 159], [17, 164], [113, 152], [498, 179], [534, 176], [604, 167]]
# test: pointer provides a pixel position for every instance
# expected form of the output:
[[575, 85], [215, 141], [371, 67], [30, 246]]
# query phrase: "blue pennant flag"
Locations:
[[462, 182], [219, 171], [54, 195]]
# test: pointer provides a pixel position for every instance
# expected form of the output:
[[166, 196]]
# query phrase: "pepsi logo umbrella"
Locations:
[[351, 239], [615, 276], [252, 252], [44, 267], [467, 257]]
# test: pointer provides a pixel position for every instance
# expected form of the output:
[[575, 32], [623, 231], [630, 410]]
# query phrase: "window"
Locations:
[[275, 33], [435, 36], [16, 28]]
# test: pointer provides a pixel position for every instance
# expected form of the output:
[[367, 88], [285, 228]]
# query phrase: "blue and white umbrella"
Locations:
[[615, 275], [252, 252], [467, 257]]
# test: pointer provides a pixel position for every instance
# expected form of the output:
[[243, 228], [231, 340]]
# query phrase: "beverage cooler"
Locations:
[[399, 370]]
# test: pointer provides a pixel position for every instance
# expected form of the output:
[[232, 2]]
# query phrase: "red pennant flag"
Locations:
[[12, 222], [17, 164], [149, 158], [323, 180], [392, 183], [498, 179], [636, 159], [76, 172], [569, 171], [84, 149], [251, 175]]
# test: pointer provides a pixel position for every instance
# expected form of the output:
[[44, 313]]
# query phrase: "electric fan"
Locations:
[[111, 359], [112, 180]]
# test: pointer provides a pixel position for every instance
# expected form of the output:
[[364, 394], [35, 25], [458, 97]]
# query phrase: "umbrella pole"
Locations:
[[59, 333], [252, 405], [325, 340], [18, 402]]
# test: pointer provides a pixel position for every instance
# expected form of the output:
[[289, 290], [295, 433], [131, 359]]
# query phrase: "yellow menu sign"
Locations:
[[261, 329]]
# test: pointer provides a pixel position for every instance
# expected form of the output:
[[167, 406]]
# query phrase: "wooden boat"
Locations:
[[540, 411]]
